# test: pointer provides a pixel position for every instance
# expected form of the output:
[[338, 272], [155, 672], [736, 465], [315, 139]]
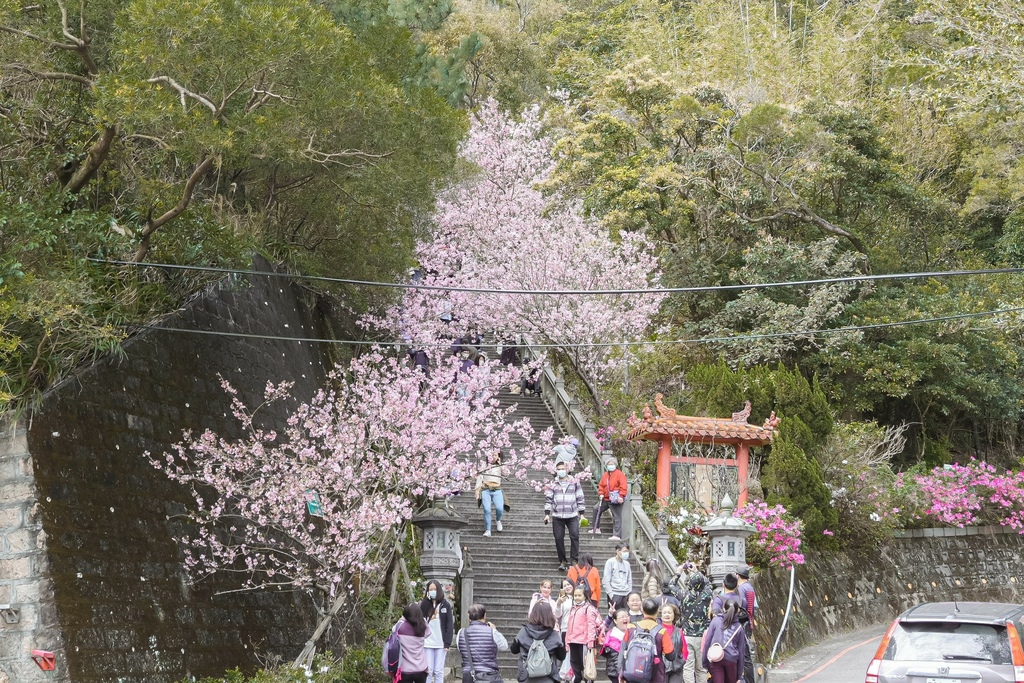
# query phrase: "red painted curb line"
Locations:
[[834, 659]]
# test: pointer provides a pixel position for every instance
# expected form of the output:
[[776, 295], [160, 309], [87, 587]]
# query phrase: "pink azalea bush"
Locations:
[[975, 493], [776, 541], [778, 536]]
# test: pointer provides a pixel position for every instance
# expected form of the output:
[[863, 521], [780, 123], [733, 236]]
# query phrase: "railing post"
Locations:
[[634, 501], [466, 597], [560, 414], [662, 552]]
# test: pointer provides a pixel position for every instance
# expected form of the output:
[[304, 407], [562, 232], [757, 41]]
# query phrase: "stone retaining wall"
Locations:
[[88, 524], [843, 592], [28, 618]]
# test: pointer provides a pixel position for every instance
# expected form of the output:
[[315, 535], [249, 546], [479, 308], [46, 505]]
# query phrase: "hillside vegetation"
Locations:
[[748, 140]]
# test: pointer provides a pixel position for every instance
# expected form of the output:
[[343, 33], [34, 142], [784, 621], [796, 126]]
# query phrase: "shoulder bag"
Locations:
[[716, 652]]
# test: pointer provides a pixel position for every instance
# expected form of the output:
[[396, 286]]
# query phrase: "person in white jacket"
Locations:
[[617, 581], [566, 452]]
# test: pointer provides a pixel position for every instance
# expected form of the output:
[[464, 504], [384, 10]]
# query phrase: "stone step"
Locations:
[[509, 566]]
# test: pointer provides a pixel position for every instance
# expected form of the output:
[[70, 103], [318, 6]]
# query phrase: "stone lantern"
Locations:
[[727, 536], [442, 554]]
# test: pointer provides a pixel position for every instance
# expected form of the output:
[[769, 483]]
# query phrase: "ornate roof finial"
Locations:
[[663, 410], [727, 506], [742, 415], [772, 422]]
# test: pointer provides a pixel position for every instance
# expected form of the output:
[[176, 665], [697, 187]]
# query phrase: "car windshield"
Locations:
[[950, 642]]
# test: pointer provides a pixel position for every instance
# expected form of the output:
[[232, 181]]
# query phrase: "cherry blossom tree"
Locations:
[[497, 229], [319, 501]]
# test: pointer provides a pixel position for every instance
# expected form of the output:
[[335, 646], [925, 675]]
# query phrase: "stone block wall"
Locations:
[[113, 598], [842, 592], [28, 619]]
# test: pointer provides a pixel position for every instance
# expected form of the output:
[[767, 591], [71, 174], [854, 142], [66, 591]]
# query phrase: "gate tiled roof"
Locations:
[[700, 429]]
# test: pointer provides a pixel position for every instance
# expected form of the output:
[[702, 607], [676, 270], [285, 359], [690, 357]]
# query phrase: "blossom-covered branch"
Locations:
[[497, 230], [318, 499]]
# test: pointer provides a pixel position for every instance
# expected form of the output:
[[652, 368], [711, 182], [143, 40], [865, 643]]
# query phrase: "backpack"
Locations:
[[641, 651], [538, 660], [581, 581], [391, 657]]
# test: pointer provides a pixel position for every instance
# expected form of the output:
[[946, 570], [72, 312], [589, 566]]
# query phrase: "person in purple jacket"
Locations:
[[726, 630], [413, 631]]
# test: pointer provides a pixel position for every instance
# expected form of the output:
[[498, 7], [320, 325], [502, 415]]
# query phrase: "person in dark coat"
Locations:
[[438, 613], [726, 630], [540, 627], [420, 360]]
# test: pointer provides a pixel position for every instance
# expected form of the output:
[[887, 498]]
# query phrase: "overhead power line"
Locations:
[[572, 292], [656, 342]]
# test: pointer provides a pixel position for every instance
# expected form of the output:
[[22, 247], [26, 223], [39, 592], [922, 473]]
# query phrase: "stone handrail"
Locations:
[[566, 411], [646, 540], [642, 534]]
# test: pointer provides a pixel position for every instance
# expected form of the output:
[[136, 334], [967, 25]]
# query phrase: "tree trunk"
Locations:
[[93, 160], [154, 224], [305, 657]]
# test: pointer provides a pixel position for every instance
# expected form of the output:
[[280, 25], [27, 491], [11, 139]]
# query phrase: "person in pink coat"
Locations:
[[584, 626]]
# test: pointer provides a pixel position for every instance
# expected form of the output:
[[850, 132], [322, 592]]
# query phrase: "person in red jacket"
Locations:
[[612, 490]]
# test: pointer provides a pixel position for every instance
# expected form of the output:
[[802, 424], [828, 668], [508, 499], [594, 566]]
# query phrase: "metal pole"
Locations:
[[789, 606]]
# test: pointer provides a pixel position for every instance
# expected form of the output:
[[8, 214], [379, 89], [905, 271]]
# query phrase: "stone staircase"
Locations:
[[509, 566]]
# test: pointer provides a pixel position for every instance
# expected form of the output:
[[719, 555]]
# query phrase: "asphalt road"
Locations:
[[840, 660]]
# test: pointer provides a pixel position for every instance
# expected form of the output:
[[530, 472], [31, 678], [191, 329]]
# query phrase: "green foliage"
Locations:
[[768, 143], [718, 390], [856, 464], [794, 479], [357, 666], [198, 133]]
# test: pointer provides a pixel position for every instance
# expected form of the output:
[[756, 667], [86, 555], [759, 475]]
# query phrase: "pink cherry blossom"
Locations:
[[496, 229], [383, 439]]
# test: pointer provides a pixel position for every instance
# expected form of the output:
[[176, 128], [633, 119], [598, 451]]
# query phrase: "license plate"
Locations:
[[943, 680]]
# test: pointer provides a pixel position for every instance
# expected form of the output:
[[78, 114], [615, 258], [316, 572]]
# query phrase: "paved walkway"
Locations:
[[843, 657]]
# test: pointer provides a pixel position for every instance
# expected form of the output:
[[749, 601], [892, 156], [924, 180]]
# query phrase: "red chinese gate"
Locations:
[[667, 427]]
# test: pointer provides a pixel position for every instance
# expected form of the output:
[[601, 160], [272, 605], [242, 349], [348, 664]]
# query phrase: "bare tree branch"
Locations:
[[805, 215], [227, 98], [81, 23], [159, 141], [45, 41], [264, 97], [49, 75], [327, 158], [152, 225], [81, 43], [184, 92]]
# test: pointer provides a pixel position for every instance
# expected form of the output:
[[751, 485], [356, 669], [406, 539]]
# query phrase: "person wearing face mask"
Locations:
[[618, 577], [612, 490], [438, 613], [564, 508]]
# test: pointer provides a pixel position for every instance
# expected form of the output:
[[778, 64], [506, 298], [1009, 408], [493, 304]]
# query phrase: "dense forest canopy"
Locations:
[[748, 140]]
